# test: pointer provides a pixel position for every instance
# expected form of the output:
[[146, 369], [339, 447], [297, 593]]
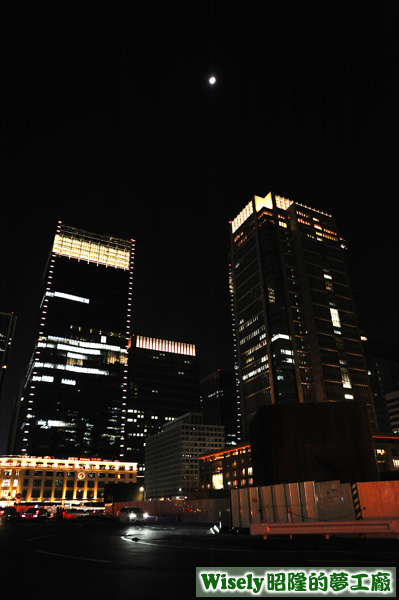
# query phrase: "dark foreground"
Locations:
[[100, 559]]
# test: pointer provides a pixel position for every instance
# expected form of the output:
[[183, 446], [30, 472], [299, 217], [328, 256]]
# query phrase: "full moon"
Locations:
[[212, 80]]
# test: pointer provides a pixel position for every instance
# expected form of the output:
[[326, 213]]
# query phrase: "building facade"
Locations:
[[392, 402], [220, 402], [226, 469], [297, 336], [383, 366], [172, 456], [74, 401], [386, 449], [162, 385], [70, 482]]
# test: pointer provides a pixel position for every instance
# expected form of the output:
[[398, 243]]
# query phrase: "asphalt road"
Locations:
[[101, 559]]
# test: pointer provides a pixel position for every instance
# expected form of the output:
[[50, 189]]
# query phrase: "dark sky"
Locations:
[[109, 124]]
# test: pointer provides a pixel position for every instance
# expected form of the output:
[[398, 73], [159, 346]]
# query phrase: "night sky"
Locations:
[[110, 125]]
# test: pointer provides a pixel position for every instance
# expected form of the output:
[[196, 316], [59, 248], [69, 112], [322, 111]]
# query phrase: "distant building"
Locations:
[[219, 402], [226, 469], [383, 366], [386, 449], [74, 401], [172, 456], [392, 403], [70, 482], [162, 384], [297, 336]]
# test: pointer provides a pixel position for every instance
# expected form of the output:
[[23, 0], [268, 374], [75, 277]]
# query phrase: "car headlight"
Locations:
[[145, 515]]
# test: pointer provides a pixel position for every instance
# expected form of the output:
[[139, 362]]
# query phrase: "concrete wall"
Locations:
[[292, 502], [378, 499]]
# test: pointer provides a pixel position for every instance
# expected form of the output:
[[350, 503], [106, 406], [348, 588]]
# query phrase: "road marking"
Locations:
[[39, 537], [177, 547], [75, 557]]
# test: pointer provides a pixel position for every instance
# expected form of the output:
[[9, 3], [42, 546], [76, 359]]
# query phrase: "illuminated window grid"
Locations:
[[242, 216], [111, 252], [282, 204], [148, 343]]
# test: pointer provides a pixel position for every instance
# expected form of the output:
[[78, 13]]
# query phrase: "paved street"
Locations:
[[105, 559]]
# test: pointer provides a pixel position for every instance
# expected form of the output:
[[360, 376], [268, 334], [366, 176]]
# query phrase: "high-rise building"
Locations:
[[163, 384], [218, 400], [297, 336], [74, 401]]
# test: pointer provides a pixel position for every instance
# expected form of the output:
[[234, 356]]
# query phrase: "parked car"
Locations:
[[74, 513], [35, 513], [9, 514], [132, 514]]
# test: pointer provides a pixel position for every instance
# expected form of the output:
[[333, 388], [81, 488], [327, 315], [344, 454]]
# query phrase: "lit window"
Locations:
[[68, 297], [335, 317], [217, 481], [346, 382]]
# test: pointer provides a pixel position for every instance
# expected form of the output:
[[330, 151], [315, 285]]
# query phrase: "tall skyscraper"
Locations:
[[163, 385], [74, 401], [218, 399], [296, 331]]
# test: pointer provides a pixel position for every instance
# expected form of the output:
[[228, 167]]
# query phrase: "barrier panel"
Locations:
[[328, 528]]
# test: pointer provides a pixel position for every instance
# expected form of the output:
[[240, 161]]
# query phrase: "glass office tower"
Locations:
[[218, 402], [296, 331], [163, 384], [74, 401]]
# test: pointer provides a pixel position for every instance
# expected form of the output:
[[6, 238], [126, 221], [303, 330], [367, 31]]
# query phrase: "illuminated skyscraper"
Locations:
[[163, 385], [74, 402], [296, 331]]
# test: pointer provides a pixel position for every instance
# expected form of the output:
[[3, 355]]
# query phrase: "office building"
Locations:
[[383, 366], [386, 450], [172, 456], [226, 469], [162, 384], [74, 401], [297, 336], [392, 402], [69, 482], [220, 402]]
